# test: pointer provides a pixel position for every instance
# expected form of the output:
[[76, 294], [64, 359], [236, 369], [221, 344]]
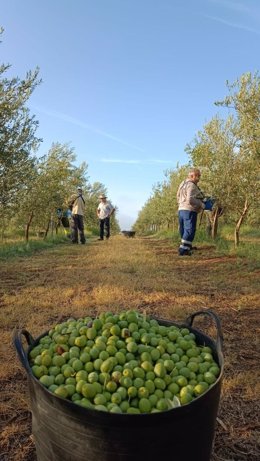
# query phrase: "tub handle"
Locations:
[[215, 318], [18, 344]]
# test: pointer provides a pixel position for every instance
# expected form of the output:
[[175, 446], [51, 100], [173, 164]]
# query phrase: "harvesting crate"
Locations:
[[64, 431]]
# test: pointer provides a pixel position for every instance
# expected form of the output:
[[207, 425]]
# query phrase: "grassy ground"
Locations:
[[55, 283]]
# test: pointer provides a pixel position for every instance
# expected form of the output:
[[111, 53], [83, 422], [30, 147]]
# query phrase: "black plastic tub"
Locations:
[[64, 431], [128, 234]]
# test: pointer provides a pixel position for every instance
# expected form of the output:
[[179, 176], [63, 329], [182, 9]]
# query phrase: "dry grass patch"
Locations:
[[146, 274]]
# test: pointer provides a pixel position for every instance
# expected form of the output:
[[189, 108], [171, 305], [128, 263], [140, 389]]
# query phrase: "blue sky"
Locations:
[[128, 83]]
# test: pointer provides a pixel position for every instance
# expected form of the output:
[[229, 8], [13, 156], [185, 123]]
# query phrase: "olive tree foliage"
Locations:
[[227, 151], [17, 140], [145, 221], [214, 152], [157, 206], [55, 180], [161, 209], [244, 100]]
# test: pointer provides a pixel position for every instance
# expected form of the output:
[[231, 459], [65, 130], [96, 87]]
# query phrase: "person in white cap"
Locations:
[[77, 206], [104, 211]]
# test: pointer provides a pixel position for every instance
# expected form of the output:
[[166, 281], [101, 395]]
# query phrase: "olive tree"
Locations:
[[17, 140], [55, 179], [244, 100]]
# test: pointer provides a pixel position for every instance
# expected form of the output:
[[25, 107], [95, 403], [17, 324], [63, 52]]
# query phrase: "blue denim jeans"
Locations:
[[187, 225]]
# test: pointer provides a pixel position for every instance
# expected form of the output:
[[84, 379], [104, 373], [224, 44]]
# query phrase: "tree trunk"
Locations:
[[2, 230], [240, 221], [214, 229], [209, 226], [47, 230], [28, 227]]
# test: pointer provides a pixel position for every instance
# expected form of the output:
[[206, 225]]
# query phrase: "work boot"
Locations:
[[183, 252]]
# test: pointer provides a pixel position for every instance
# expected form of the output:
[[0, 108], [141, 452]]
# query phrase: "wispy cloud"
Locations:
[[135, 161], [242, 12], [233, 24], [235, 6], [87, 126]]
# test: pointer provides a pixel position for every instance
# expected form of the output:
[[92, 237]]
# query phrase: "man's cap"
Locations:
[[79, 188], [102, 196]]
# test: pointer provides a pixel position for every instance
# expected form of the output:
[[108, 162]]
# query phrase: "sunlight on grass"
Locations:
[[246, 382], [46, 287], [18, 247]]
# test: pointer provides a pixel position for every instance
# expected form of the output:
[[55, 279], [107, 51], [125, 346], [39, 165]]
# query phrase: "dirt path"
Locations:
[[144, 274]]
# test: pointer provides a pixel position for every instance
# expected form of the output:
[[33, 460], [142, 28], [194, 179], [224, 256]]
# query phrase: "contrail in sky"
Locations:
[[233, 5], [232, 24], [86, 126]]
